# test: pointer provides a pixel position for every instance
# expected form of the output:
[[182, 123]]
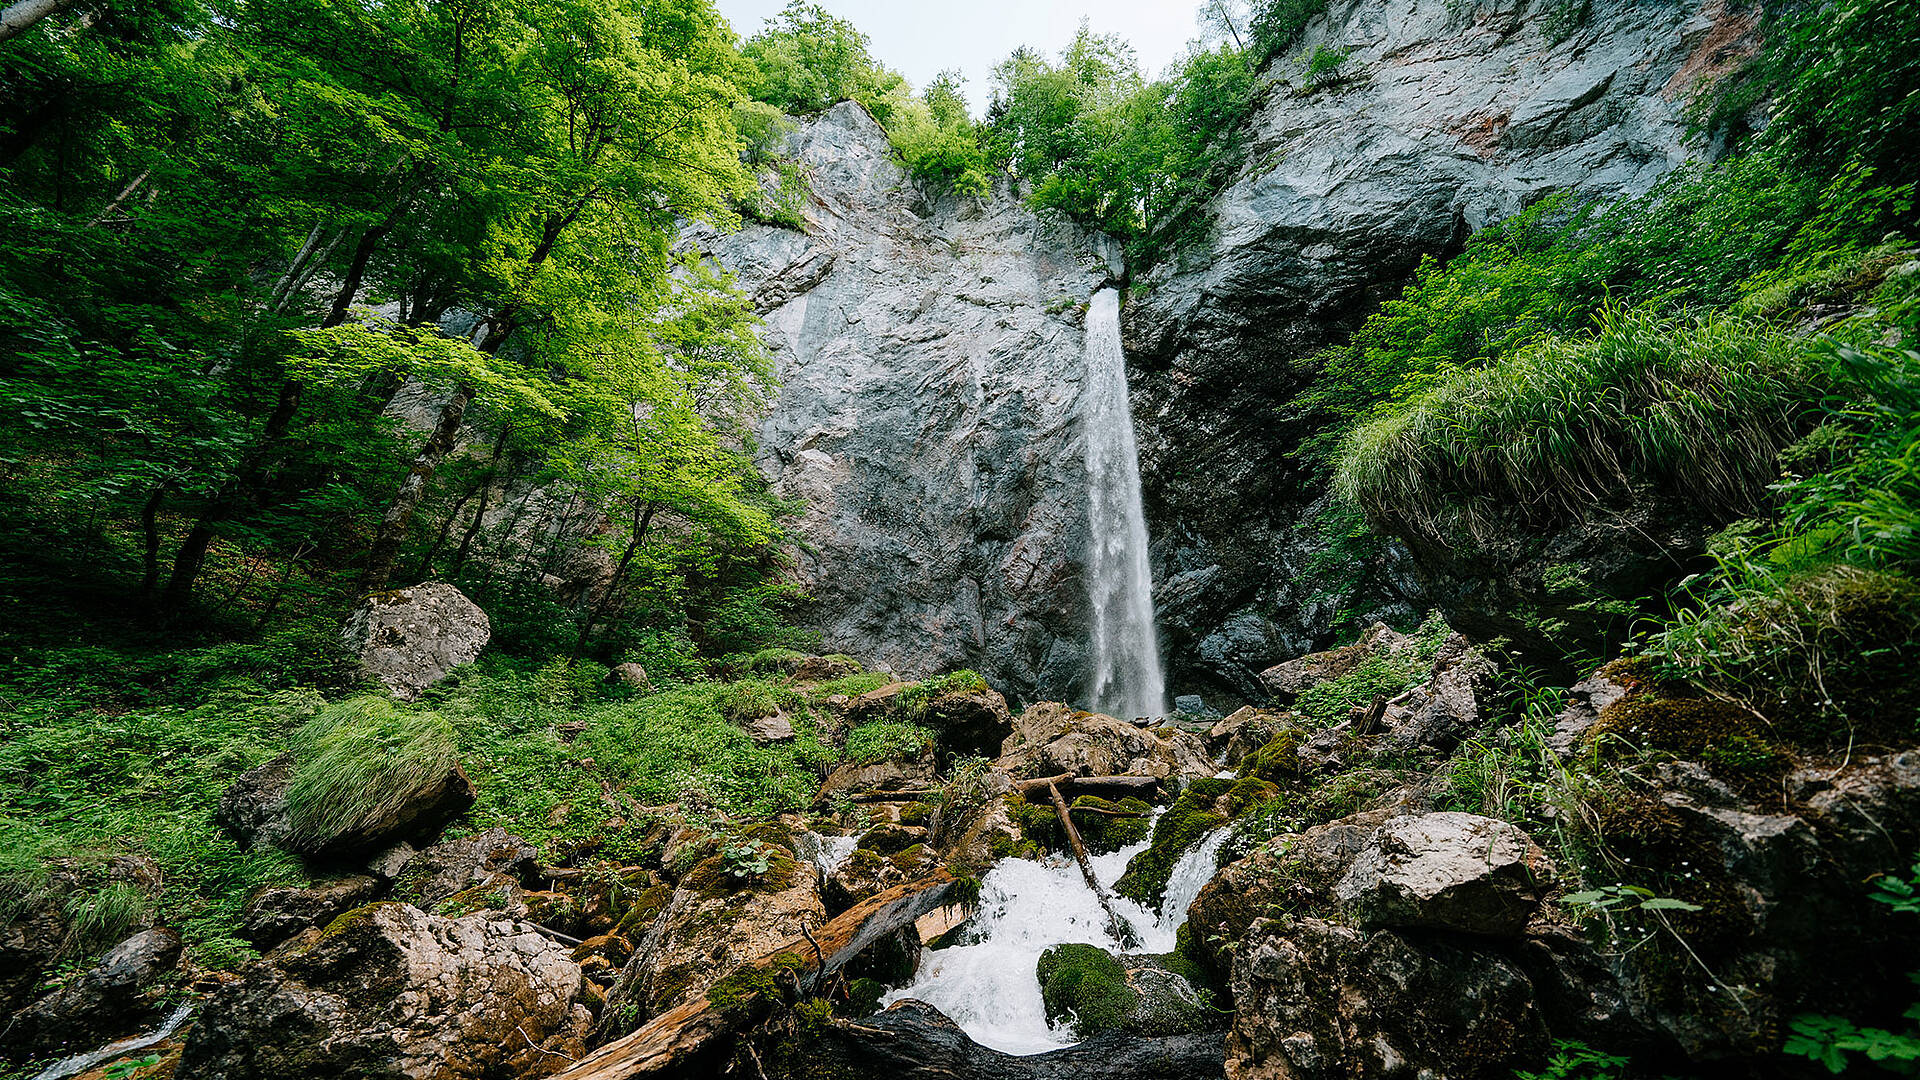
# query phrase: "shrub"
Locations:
[[1697, 411], [360, 762], [884, 740]]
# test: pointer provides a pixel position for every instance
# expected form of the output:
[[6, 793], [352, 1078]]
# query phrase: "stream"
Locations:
[[986, 983]]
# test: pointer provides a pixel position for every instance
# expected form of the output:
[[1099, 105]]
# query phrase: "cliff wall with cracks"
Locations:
[[1442, 116], [930, 355]]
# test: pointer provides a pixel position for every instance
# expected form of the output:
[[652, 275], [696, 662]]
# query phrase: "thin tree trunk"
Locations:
[[124, 195], [413, 489], [446, 530], [495, 471], [150, 529], [641, 523], [295, 269], [18, 18]]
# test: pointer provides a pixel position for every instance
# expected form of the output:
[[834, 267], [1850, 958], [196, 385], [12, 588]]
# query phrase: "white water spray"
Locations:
[[1127, 681]]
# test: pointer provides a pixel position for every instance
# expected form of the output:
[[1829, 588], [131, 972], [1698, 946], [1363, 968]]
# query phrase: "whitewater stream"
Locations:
[[986, 983]]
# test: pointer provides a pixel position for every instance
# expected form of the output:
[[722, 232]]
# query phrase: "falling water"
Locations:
[[1126, 656]]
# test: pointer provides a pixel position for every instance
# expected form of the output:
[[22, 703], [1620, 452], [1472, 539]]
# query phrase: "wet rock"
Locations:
[[388, 991], [102, 1002], [254, 810], [1095, 992], [1317, 1001], [408, 639], [1447, 871], [914, 1039], [868, 872], [275, 914], [1049, 739]]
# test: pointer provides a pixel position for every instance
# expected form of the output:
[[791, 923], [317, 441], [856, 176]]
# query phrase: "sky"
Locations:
[[920, 38]]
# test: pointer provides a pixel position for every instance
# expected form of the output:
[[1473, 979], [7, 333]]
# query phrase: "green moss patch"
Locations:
[[1084, 985], [1191, 817]]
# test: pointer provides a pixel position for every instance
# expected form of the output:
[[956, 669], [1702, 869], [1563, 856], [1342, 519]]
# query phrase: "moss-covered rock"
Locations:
[[1204, 806], [1085, 985]]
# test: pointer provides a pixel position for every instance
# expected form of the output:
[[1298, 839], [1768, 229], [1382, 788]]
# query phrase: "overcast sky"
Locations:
[[920, 38]]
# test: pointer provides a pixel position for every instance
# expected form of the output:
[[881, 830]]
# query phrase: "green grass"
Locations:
[[361, 762], [83, 783], [1693, 409]]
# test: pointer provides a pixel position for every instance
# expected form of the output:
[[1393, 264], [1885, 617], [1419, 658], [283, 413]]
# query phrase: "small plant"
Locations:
[[359, 762], [1830, 1039], [1322, 63], [1578, 1061], [124, 1070], [746, 859]]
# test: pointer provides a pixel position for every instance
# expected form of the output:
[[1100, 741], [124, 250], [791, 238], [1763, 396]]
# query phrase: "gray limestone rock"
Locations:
[[1447, 871], [930, 354], [389, 991], [410, 638]]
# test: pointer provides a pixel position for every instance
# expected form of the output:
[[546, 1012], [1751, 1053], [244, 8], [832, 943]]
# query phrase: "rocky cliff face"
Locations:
[[1443, 116], [930, 357]]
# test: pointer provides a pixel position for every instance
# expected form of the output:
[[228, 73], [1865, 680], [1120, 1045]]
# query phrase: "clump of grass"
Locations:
[[1385, 674], [1696, 410], [882, 740], [359, 763]]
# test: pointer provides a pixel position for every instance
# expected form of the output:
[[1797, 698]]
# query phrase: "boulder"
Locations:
[[35, 934], [630, 675], [1439, 713], [1286, 682], [106, 1000], [408, 639], [493, 858], [1093, 992], [388, 991], [893, 774], [277, 913], [714, 923], [771, 729], [1447, 871], [1050, 738], [968, 722], [1244, 731], [254, 810], [1318, 1001]]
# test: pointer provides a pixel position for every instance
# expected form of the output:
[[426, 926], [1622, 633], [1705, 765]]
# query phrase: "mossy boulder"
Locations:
[[1085, 986], [1093, 991], [1204, 806]]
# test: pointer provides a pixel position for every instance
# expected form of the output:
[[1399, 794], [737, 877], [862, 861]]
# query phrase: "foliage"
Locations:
[[1100, 142], [1829, 1039], [358, 763], [1836, 84], [1696, 410], [1386, 673], [806, 60], [1578, 1061]]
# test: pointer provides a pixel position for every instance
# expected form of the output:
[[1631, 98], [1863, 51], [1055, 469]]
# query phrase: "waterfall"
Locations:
[[1126, 655]]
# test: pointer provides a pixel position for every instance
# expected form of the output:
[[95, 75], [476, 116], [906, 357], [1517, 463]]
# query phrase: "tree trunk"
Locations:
[[641, 523], [18, 18], [150, 529], [406, 501]]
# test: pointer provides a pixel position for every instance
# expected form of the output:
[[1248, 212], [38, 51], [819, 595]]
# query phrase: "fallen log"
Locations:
[[670, 1041], [1120, 786], [1116, 926]]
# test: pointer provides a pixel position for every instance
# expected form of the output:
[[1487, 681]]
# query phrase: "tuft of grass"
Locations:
[[1696, 410], [358, 763]]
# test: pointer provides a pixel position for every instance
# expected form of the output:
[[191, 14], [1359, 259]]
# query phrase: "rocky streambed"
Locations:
[[1333, 910]]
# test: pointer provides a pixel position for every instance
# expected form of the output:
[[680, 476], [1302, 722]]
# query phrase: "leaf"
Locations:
[[1667, 903]]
